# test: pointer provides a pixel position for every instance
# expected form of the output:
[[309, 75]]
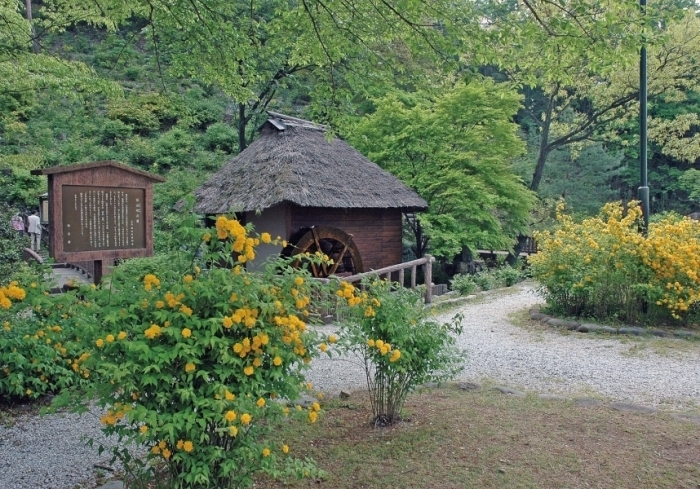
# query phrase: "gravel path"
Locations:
[[548, 361], [49, 452]]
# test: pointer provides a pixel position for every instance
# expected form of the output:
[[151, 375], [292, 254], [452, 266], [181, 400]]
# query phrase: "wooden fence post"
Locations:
[[428, 275]]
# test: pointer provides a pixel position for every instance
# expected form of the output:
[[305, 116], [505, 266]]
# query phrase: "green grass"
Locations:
[[484, 439]]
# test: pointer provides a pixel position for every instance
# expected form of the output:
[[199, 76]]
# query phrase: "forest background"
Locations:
[[490, 110]]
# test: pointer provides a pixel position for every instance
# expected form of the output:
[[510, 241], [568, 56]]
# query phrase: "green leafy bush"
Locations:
[[486, 280], [193, 364], [463, 283], [40, 351], [400, 346]]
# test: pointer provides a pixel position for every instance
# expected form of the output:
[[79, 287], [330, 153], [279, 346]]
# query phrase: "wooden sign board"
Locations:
[[99, 211]]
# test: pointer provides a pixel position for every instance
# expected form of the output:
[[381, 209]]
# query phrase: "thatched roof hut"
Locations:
[[294, 161], [294, 181]]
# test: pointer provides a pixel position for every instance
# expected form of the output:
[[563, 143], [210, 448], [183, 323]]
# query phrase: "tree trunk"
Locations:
[[35, 42], [512, 258], [544, 146], [242, 123]]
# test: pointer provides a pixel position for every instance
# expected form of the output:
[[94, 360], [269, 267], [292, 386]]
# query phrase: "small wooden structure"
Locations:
[[99, 212], [319, 194]]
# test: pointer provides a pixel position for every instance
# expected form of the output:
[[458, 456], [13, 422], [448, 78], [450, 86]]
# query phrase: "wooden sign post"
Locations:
[[99, 212]]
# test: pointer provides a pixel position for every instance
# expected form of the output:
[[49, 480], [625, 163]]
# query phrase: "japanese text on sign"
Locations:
[[103, 218]]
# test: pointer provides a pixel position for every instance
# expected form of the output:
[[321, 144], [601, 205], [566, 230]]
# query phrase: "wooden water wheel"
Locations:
[[334, 243]]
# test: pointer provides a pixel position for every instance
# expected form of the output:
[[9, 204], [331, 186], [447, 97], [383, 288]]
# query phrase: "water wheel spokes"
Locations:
[[335, 244]]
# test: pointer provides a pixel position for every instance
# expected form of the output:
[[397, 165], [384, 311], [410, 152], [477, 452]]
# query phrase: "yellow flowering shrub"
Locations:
[[204, 352], [605, 268], [389, 328], [39, 348]]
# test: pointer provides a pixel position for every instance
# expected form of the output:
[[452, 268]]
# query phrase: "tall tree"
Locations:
[[455, 150]]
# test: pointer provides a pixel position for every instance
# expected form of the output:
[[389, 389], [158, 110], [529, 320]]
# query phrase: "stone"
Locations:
[[587, 402], [509, 391], [501, 470], [344, 395], [595, 328], [468, 386], [305, 401], [556, 322], [631, 330], [684, 334], [112, 485], [631, 408], [534, 310], [572, 325], [659, 332], [693, 418], [538, 316], [551, 397]]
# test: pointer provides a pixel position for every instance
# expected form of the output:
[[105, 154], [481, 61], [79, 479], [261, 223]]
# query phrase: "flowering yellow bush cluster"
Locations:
[[605, 267], [39, 351], [9, 293], [388, 327], [198, 352]]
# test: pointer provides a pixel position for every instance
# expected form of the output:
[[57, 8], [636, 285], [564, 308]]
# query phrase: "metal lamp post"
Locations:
[[643, 191]]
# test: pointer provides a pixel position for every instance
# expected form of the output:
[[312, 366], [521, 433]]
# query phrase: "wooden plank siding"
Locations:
[[105, 176], [377, 233]]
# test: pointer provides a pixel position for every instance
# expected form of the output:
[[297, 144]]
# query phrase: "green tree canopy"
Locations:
[[455, 150]]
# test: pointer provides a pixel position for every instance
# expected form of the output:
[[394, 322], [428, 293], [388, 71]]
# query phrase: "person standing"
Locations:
[[34, 231]]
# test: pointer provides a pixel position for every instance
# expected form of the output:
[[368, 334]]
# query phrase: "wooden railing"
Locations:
[[425, 262]]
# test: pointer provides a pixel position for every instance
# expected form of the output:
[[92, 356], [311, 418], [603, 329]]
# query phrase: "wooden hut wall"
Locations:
[[376, 232], [274, 221]]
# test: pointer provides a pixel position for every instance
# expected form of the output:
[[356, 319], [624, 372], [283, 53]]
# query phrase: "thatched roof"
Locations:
[[293, 161]]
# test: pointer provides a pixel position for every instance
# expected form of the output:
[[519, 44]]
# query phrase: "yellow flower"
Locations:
[[155, 449], [160, 304], [188, 279], [186, 333], [323, 347], [370, 343], [232, 431], [266, 452], [185, 310], [28, 392], [277, 361], [230, 397], [379, 343], [166, 453], [316, 406], [299, 281], [180, 444], [100, 342], [260, 402], [249, 370], [246, 418], [143, 429], [395, 356], [257, 362], [110, 338], [332, 338], [313, 415], [230, 416], [161, 444], [265, 237], [285, 448], [206, 237], [121, 335], [152, 332], [190, 367], [188, 446]]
